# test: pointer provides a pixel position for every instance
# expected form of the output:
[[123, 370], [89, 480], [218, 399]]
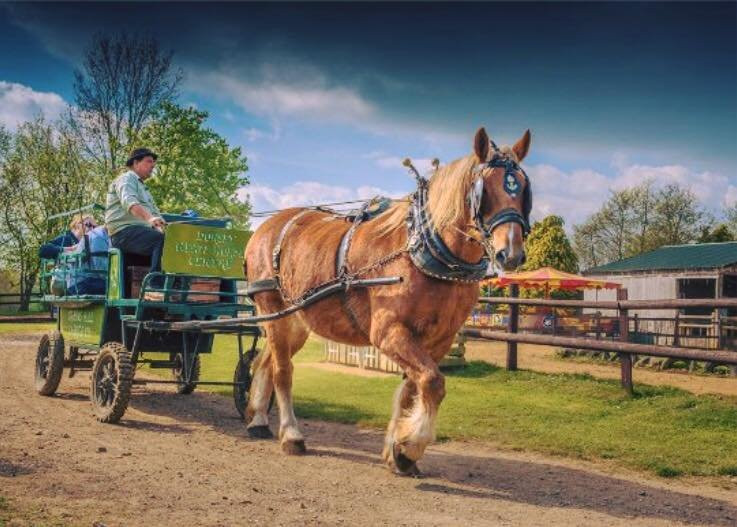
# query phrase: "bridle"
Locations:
[[511, 187]]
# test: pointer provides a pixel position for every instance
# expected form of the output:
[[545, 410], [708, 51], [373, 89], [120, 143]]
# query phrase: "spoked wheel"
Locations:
[[112, 378], [242, 378], [49, 363], [179, 373]]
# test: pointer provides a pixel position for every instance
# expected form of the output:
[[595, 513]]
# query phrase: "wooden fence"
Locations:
[[622, 346]]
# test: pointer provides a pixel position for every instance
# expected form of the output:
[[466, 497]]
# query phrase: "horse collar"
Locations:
[[429, 252]]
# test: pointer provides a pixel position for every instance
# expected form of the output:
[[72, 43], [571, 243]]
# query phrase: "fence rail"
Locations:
[[623, 347], [35, 298]]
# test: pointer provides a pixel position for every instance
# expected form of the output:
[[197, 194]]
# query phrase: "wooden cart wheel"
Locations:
[[111, 382], [49, 363], [178, 373]]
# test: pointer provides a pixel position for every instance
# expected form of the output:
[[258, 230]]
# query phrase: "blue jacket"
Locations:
[[51, 250]]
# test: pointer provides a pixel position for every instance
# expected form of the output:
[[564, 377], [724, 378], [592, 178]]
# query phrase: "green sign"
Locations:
[[204, 251], [82, 325]]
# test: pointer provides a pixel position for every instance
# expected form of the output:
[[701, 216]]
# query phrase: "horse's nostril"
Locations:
[[501, 256], [522, 259]]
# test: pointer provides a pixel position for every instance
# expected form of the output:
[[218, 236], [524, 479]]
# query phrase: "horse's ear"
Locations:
[[522, 146], [481, 144]]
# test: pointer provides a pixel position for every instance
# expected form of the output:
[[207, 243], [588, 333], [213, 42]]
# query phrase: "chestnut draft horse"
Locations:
[[483, 195]]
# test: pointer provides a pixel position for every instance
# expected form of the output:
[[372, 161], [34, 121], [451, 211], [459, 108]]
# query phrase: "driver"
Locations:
[[132, 219]]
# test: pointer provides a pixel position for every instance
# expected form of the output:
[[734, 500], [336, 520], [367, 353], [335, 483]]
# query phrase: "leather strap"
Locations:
[[276, 253]]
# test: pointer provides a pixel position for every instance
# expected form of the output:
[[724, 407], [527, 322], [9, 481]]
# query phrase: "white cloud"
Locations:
[[306, 193], [708, 187], [307, 98], [572, 195], [19, 103], [577, 194], [256, 134]]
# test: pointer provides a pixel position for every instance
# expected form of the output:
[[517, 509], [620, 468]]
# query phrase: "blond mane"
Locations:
[[448, 189]]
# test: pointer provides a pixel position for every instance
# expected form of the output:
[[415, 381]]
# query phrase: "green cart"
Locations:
[[112, 333]]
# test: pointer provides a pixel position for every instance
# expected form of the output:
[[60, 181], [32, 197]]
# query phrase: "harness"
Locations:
[[511, 187], [425, 246]]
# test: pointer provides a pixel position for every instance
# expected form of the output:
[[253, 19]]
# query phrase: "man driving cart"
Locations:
[[132, 218]]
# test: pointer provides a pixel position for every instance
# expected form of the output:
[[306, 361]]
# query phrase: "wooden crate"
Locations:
[[134, 277], [136, 274], [205, 285]]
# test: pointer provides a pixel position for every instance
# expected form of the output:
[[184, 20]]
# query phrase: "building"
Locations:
[[704, 270]]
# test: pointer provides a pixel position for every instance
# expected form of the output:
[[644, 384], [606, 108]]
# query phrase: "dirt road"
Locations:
[[186, 460]]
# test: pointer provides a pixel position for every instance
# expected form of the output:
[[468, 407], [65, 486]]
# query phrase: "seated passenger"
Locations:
[[81, 281], [51, 249]]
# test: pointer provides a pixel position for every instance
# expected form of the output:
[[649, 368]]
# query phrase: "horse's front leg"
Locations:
[[416, 402]]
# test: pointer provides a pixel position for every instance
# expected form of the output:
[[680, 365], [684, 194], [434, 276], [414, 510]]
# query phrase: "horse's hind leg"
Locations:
[[286, 337], [260, 392]]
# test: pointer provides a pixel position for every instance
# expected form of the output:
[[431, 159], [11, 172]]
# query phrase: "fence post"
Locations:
[[512, 326], [625, 359], [677, 329]]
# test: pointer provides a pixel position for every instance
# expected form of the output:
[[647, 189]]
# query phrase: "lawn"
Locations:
[[26, 327], [662, 430]]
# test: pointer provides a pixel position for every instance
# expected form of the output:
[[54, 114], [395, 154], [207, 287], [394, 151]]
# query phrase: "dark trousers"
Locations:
[[144, 241]]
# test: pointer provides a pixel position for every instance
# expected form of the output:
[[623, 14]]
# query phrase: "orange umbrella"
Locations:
[[549, 278]]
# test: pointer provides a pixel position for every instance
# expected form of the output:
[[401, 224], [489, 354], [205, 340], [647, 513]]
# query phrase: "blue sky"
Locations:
[[326, 99]]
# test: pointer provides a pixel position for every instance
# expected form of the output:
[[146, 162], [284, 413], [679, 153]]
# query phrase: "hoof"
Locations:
[[294, 447], [260, 432], [403, 465]]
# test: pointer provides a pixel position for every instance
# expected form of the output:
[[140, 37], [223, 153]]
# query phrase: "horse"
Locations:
[[474, 203]]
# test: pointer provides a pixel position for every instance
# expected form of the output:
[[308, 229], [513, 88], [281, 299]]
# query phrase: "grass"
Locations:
[[4, 511], [26, 327]]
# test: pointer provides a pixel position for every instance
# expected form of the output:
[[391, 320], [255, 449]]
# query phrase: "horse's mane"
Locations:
[[448, 189]]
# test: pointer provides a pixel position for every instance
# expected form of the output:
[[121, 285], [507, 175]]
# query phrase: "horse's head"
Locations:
[[500, 197]]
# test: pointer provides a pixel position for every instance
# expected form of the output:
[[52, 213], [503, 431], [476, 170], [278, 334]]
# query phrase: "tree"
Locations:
[[41, 174], [636, 220], [678, 218], [548, 246], [610, 233], [123, 80], [730, 214], [720, 233], [196, 169]]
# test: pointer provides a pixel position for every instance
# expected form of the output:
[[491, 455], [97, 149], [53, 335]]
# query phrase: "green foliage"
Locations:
[[548, 246], [720, 233], [730, 214], [41, 173], [196, 169], [637, 220]]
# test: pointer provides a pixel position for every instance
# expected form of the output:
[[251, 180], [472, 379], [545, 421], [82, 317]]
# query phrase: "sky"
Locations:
[[327, 99]]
